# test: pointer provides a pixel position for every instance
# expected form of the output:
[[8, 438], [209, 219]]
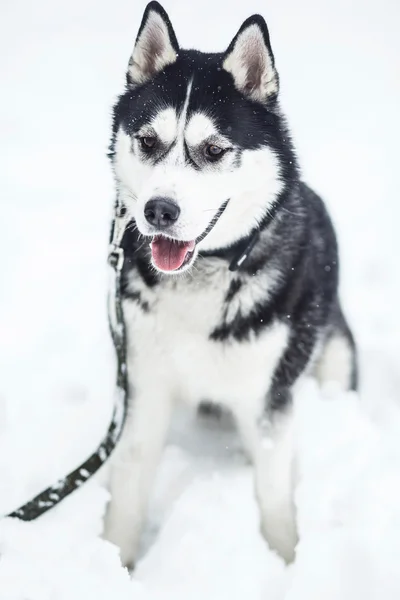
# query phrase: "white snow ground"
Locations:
[[61, 64]]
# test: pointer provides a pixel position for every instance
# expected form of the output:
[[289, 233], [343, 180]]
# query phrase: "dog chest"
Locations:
[[172, 340]]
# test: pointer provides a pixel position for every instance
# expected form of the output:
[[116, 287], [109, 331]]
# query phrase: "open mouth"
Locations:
[[171, 255]]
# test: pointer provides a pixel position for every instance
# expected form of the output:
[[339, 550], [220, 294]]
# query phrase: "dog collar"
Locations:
[[240, 257], [243, 255], [244, 252]]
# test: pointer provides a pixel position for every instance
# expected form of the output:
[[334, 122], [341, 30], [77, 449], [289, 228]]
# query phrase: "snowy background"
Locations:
[[61, 65]]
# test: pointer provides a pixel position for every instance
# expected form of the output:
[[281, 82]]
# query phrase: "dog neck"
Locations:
[[238, 254]]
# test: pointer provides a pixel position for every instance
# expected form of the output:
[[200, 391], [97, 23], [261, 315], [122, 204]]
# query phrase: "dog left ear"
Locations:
[[250, 61], [156, 46]]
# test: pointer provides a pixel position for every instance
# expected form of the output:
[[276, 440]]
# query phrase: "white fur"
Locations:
[[172, 359], [135, 462], [180, 133], [250, 57], [164, 126], [251, 187], [175, 335], [250, 295], [275, 480], [336, 362], [200, 127], [270, 445]]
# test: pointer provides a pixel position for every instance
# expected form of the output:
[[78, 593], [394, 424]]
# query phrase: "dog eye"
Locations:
[[148, 142], [213, 152]]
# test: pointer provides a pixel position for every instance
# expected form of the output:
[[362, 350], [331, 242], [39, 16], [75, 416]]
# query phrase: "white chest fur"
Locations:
[[171, 341]]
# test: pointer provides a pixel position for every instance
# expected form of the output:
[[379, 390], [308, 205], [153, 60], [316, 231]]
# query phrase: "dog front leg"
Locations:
[[134, 466], [274, 480], [269, 441]]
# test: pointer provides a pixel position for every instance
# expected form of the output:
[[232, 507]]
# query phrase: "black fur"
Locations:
[[246, 123]]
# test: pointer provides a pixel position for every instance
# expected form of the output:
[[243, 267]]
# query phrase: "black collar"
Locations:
[[243, 253], [240, 252]]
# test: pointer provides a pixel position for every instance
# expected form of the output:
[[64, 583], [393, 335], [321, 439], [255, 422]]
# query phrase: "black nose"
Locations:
[[161, 212]]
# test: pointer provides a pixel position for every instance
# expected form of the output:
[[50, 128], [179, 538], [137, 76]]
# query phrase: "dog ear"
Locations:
[[156, 46], [250, 61]]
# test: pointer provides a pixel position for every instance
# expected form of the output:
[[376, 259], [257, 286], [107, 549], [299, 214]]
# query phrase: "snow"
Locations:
[[61, 65]]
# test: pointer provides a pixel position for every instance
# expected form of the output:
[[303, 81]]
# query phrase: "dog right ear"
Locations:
[[156, 46]]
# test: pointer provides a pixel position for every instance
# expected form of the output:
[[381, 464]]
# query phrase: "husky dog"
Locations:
[[230, 280]]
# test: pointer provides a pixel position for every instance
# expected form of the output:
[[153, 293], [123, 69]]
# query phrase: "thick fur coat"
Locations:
[[230, 279]]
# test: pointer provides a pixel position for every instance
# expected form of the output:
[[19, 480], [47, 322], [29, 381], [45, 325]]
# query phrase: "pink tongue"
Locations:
[[169, 255]]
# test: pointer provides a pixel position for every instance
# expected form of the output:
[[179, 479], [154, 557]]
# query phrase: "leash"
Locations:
[[54, 494], [65, 486]]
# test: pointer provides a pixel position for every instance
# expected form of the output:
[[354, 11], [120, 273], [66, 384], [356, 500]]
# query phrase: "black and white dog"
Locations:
[[231, 272]]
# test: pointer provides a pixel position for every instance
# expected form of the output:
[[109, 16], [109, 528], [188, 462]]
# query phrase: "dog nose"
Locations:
[[161, 212]]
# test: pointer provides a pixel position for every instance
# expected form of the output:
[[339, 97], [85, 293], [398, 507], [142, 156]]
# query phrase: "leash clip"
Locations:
[[116, 257]]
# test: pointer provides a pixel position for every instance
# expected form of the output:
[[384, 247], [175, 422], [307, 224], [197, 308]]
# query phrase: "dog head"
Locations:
[[200, 150]]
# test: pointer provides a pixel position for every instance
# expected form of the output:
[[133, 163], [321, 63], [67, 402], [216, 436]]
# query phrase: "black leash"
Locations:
[[65, 486], [51, 496]]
